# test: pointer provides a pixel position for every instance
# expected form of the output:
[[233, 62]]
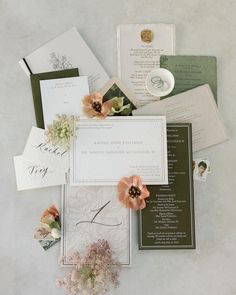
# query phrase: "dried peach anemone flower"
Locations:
[[93, 106], [132, 192]]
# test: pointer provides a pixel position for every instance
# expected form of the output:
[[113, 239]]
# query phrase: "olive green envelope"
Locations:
[[191, 71], [35, 85], [167, 222]]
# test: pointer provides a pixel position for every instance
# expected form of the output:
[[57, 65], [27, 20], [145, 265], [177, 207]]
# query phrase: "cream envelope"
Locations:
[[37, 150], [196, 106], [30, 175]]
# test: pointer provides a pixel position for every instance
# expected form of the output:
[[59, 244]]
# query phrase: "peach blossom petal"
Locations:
[[124, 185], [145, 193], [122, 196]]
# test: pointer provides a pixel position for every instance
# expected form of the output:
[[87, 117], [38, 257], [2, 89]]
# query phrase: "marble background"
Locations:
[[203, 27]]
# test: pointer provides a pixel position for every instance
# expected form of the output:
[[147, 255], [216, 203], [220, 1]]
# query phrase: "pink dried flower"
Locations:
[[132, 192], [94, 107], [95, 273]]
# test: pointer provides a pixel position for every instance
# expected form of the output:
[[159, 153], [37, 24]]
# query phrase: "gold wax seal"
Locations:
[[147, 36]]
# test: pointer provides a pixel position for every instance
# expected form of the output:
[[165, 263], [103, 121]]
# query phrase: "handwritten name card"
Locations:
[[30, 175]]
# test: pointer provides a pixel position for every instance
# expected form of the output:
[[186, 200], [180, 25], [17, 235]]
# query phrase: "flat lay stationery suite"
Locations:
[[118, 145]]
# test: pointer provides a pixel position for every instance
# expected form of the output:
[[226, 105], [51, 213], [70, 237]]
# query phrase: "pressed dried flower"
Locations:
[[132, 192], [96, 273], [93, 106]]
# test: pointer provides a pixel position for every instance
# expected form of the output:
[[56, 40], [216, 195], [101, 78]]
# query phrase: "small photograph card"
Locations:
[[63, 96], [36, 91], [31, 175], [124, 100], [104, 151], [167, 222], [201, 169], [37, 150], [139, 50], [92, 213], [66, 51], [196, 106]]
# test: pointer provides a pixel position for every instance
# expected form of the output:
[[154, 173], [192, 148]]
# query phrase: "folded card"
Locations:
[[68, 50], [36, 91], [37, 150], [196, 106], [30, 175], [104, 151], [63, 96]]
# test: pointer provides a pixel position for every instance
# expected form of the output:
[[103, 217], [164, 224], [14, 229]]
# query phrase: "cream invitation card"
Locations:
[[63, 96], [38, 150], [196, 106], [68, 50], [104, 151], [139, 50], [92, 213], [31, 175]]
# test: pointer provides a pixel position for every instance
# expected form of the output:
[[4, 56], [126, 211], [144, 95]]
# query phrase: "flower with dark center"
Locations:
[[97, 106], [94, 107], [132, 192]]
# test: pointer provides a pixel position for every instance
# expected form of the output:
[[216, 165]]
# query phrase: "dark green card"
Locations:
[[167, 222], [191, 71], [35, 84]]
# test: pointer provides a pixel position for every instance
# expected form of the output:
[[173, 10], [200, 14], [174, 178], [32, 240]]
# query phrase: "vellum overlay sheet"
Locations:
[[91, 213]]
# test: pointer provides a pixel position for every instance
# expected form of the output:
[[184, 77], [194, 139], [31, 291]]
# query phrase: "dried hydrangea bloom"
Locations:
[[132, 192], [94, 107], [96, 273]]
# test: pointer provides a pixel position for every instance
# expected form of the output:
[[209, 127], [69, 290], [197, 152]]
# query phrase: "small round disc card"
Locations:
[[160, 82]]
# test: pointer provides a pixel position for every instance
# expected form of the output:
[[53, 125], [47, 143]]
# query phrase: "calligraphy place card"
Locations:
[[30, 175], [39, 151]]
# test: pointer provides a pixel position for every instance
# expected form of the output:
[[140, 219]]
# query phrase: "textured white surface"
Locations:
[[202, 27]]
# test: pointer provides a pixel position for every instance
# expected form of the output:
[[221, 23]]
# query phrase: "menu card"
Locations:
[[139, 50], [168, 220]]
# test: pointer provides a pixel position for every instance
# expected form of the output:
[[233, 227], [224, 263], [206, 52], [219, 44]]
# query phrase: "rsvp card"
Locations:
[[104, 151], [63, 96]]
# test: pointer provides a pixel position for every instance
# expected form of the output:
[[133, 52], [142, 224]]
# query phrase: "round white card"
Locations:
[[160, 82]]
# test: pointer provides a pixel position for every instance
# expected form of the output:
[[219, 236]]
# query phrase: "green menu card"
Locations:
[[191, 71], [167, 222], [35, 84]]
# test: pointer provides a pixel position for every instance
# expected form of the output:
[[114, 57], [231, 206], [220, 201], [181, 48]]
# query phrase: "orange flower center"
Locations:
[[134, 192], [97, 106]]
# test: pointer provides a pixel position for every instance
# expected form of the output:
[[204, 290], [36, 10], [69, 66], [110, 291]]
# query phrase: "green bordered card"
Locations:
[[167, 222], [191, 71], [35, 84]]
